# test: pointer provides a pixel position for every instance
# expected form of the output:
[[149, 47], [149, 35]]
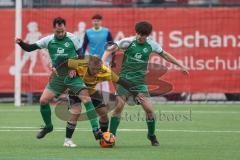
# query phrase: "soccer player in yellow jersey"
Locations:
[[92, 71]]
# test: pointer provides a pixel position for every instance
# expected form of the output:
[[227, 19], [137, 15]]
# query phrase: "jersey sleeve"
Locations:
[[109, 75], [75, 63], [125, 42], [109, 37], [75, 41], [43, 42], [155, 46]]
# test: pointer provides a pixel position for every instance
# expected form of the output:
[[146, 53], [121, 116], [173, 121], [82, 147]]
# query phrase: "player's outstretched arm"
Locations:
[[167, 56], [25, 46], [109, 50]]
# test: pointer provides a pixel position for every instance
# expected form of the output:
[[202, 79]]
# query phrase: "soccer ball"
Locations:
[[125, 44], [107, 140]]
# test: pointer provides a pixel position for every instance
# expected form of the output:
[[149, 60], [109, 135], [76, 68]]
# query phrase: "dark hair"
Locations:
[[59, 21], [97, 16], [143, 28]]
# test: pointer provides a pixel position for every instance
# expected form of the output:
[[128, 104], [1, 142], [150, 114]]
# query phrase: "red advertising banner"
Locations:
[[206, 40]]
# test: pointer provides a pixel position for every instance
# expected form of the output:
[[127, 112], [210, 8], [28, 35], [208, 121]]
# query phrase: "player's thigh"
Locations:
[[119, 105], [56, 85], [47, 96]]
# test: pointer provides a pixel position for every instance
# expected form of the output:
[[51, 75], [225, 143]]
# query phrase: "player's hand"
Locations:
[[72, 73], [140, 98], [18, 40], [54, 70], [184, 70]]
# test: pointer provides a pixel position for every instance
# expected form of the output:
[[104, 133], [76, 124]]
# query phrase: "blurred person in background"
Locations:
[[96, 38]]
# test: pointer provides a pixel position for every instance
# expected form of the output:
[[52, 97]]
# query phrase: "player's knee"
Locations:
[[104, 118], [75, 110], [149, 111], [75, 118], [85, 99], [118, 110], [43, 101], [150, 115], [84, 96], [121, 101]]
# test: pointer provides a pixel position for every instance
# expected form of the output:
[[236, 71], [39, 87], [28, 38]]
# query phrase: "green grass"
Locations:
[[210, 132]]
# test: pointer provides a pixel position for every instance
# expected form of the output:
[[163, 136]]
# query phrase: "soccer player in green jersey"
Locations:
[[137, 51], [61, 45]]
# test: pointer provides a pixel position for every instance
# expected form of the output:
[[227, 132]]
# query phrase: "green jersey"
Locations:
[[60, 49], [136, 58]]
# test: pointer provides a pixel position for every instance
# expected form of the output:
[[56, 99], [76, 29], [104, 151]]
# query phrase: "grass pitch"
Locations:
[[184, 131]]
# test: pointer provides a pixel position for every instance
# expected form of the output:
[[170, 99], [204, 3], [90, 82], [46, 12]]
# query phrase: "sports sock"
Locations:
[[114, 123], [92, 115], [104, 126], [46, 115], [151, 126], [70, 129]]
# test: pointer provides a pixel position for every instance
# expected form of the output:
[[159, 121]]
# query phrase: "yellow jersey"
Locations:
[[105, 74]]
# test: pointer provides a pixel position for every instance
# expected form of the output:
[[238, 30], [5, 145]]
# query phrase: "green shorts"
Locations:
[[59, 84], [96, 98], [141, 88]]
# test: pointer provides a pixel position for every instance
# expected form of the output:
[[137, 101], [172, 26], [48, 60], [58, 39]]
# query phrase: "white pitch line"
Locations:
[[20, 110], [157, 111], [28, 129]]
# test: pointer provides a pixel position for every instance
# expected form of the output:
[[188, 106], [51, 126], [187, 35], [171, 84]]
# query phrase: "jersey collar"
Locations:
[[97, 30], [60, 39]]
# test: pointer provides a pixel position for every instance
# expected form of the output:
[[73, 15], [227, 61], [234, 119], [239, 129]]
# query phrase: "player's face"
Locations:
[[97, 23], [141, 38], [94, 69], [59, 31]]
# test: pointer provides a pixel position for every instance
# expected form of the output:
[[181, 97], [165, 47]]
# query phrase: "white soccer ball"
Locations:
[[124, 44]]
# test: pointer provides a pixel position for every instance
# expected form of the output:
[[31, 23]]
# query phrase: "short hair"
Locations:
[[143, 28], [95, 60], [97, 16], [59, 21]]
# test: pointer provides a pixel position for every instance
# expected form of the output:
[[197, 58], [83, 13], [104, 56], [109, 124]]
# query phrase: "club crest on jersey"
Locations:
[[145, 50], [133, 45], [60, 50], [66, 44]]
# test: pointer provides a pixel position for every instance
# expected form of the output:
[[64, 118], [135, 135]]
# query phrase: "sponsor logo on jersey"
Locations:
[[60, 50], [138, 55]]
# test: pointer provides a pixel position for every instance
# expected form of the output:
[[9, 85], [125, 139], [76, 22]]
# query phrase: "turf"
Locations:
[[184, 131]]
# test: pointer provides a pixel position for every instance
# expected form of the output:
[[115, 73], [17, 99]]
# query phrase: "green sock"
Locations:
[[114, 123], [151, 126], [46, 115], [92, 115]]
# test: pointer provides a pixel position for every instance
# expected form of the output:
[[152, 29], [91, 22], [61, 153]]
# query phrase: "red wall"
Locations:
[[206, 40]]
